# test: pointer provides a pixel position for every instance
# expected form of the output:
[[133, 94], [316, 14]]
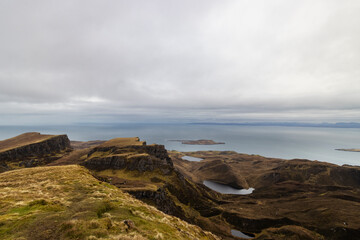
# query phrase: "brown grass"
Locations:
[[67, 202], [121, 142]]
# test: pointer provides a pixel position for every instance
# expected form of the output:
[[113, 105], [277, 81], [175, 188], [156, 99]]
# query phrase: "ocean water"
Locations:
[[271, 141]]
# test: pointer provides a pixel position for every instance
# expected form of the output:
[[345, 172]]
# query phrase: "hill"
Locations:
[[67, 202], [147, 172], [296, 194]]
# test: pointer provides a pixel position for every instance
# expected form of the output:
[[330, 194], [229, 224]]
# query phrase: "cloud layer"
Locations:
[[68, 61]]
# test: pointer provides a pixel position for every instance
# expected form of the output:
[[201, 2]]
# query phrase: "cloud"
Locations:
[[185, 60]]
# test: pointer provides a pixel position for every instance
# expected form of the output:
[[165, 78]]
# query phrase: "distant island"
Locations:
[[198, 142], [349, 149], [285, 124]]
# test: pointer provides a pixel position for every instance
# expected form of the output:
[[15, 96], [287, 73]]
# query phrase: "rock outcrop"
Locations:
[[32, 149], [129, 156]]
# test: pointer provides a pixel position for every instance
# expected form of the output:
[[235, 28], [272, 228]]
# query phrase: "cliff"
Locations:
[[130, 154], [32, 149]]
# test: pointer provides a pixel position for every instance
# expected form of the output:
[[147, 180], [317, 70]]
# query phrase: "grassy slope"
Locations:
[[120, 142], [66, 202], [185, 195]]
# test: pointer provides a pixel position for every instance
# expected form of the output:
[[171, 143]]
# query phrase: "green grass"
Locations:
[[66, 202]]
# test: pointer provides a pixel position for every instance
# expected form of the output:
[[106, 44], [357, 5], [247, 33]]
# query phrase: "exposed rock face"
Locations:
[[32, 149], [55, 144], [141, 158], [161, 199]]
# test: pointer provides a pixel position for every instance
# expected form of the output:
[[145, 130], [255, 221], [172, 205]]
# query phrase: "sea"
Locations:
[[313, 143]]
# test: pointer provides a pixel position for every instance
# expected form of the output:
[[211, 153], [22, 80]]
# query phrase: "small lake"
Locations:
[[225, 189], [237, 233], [192, 159]]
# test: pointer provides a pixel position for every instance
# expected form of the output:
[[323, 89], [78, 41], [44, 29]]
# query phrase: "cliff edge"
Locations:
[[32, 149]]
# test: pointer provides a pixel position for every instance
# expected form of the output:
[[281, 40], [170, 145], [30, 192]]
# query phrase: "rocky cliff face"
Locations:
[[141, 158], [34, 153], [161, 199], [55, 144]]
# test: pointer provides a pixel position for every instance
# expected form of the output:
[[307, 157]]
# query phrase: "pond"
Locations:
[[225, 189], [237, 233], [193, 159]]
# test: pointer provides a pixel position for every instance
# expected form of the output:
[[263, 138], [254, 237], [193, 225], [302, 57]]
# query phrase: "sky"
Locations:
[[112, 61]]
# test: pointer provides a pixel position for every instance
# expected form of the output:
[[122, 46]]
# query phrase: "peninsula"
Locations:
[[349, 149]]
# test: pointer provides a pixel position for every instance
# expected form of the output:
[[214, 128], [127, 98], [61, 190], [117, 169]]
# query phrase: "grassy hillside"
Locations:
[[67, 202], [121, 142]]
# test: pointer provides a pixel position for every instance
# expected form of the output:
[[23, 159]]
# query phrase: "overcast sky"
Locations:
[[117, 61]]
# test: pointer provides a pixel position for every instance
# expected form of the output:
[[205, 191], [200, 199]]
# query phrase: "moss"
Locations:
[[103, 208], [99, 154], [35, 206], [135, 175], [38, 202]]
